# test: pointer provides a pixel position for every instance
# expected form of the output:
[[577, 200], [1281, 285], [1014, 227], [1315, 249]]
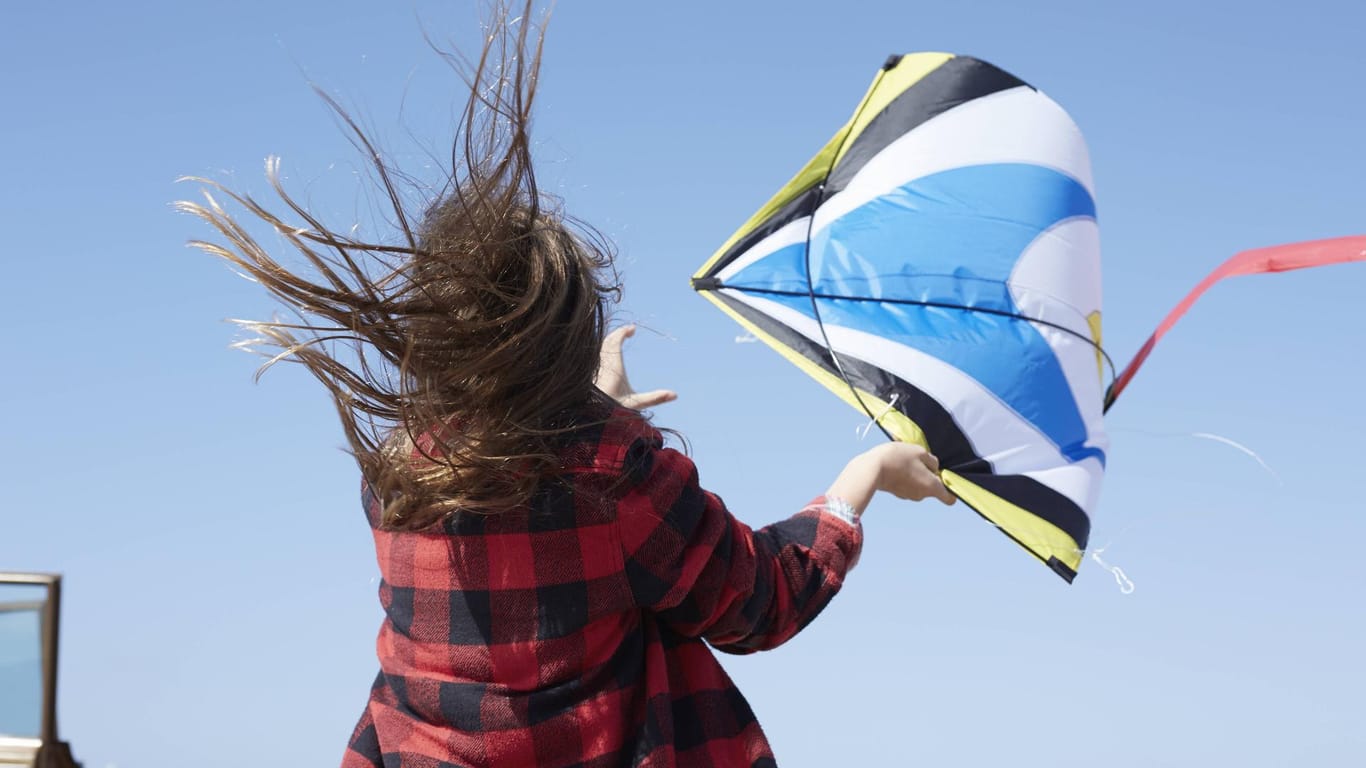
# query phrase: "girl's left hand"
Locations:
[[612, 380]]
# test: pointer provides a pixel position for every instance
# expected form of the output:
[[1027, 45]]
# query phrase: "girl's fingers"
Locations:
[[930, 461], [641, 400], [613, 341], [944, 494], [926, 472], [934, 484]]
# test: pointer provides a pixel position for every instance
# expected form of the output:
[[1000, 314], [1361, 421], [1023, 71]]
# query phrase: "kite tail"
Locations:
[[1280, 258]]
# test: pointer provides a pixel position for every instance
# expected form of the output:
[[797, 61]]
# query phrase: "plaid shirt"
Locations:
[[575, 631]]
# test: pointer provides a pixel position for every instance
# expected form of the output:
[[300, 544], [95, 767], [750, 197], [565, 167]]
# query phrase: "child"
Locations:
[[554, 577]]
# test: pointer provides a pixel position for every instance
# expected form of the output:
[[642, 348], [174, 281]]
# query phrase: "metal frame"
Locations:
[[12, 748]]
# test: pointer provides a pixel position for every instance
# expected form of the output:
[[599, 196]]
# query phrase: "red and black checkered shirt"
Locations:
[[575, 631]]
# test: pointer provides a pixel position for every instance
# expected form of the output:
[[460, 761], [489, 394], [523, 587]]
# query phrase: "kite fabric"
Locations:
[[937, 266]]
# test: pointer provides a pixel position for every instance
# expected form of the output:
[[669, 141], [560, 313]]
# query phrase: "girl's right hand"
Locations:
[[902, 469], [909, 471]]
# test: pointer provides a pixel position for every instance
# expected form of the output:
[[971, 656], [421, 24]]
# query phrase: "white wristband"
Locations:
[[841, 509]]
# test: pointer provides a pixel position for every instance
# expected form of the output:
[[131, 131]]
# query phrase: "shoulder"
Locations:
[[612, 440]]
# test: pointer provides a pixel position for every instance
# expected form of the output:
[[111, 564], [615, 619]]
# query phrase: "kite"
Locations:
[[937, 266]]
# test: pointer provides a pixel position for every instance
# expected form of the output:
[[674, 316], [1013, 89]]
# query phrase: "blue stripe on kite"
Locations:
[[782, 270], [952, 238]]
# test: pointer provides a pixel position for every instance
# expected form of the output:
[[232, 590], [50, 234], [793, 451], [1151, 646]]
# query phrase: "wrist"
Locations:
[[875, 461], [859, 480], [839, 507]]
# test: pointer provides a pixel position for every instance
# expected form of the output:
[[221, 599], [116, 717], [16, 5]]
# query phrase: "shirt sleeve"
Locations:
[[706, 574]]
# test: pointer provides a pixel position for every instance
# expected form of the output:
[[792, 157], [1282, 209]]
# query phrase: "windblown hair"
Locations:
[[471, 343]]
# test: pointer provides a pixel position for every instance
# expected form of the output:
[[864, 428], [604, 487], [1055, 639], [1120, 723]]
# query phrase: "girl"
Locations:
[[555, 579]]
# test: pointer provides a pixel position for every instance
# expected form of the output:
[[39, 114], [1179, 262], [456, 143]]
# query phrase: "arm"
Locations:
[[706, 574]]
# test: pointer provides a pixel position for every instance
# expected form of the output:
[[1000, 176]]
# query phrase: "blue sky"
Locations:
[[220, 595]]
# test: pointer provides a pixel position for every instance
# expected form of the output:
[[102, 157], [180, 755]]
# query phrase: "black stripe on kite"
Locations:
[[1059, 567], [801, 205], [955, 82], [1041, 501]]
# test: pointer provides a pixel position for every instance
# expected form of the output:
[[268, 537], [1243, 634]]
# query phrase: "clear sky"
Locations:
[[220, 604]]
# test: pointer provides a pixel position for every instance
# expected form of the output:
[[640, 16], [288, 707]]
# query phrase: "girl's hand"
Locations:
[[910, 472], [901, 469], [612, 380]]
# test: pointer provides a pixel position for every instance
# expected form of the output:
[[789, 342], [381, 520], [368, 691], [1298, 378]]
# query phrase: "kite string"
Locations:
[[1221, 439], [1243, 448], [891, 403], [1126, 585]]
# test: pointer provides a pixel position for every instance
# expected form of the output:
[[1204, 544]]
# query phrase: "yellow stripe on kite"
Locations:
[[1036, 534], [1093, 320]]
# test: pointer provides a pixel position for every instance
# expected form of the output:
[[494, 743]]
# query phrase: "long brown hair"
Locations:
[[459, 353]]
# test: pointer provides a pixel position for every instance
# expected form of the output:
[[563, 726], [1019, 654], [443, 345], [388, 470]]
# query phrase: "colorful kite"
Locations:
[[937, 266]]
